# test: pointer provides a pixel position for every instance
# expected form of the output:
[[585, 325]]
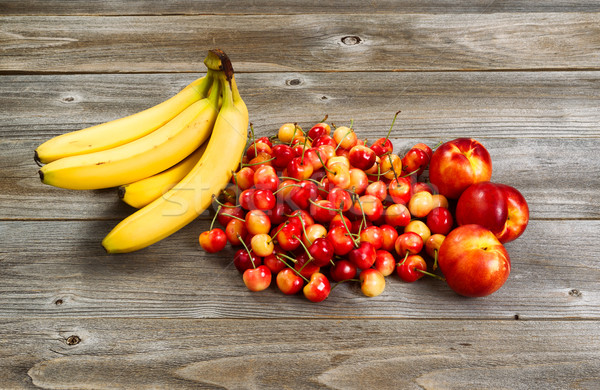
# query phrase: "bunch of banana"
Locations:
[[169, 160]]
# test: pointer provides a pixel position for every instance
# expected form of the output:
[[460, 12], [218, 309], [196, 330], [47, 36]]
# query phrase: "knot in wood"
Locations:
[[294, 82], [351, 40], [73, 340]]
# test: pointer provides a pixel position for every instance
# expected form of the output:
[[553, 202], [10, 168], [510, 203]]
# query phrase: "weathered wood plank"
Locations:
[[305, 42], [434, 104], [274, 354], [559, 178], [58, 269], [265, 7]]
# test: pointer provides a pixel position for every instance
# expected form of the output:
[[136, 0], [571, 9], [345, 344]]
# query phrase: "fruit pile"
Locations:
[[168, 160], [309, 208]]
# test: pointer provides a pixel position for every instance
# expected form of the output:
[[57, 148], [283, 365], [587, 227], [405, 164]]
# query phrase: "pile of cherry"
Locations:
[[308, 208]]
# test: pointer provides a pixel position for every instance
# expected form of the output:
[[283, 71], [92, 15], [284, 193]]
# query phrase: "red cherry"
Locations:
[[235, 230], [263, 199], [322, 210], [278, 213], [400, 190], [415, 161], [257, 279], [273, 262], [289, 282], [324, 140], [368, 205], [407, 270], [378, 189], [287, 236], [440, 221], [340, 198], [384, 262], [265, 178], [322, 251], [319, 130], [229, 212], [305, 265], [256, 148], [361, 157], [244, 178], [283, 154], [246, 199], [397, 214], [318, 288], [343, 270], [303, 193], [382, 146], [299, 169], [243, 261], [389, 237], [372, 235], [341, 240], [213, 240], [409, 242], [363, 257]]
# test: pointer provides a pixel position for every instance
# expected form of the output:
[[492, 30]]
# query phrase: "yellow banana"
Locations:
[[140, 193], [120, 131], [141, 158], [193, 195]]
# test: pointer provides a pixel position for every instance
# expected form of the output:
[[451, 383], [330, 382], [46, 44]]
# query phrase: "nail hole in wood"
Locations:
[[323, 97], [68, 99], [58, 302], [516, 316], [351, 40], [73, 340], [575, 293]]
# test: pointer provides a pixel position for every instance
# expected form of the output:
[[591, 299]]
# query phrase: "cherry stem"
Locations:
[[286, 186], [405, 257], [364, 218], [324, 166], [215, 217], [223, 204], [303, 150], [289, 266], [345, 135], [247, 250], [278, 230], [324, 119], [305, 248], [342, 281], [409, 174], [253, 139], [438, 145], [234, 217], [258, 162], [392, 166], [435, 259], [348, 230], [324, 207], [392, 126], [438, 277]]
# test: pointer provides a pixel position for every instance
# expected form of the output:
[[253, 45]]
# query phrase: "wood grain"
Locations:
[[436, 105], [390, 42], [265, 7], [46, 262], [265, 354]]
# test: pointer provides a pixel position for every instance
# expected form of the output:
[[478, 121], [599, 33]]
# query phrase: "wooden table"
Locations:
[[522, 77]]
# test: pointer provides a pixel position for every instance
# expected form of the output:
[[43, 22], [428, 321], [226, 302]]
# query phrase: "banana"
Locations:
[[120, 131], [141, 158], [140, 193], [193, 195]]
